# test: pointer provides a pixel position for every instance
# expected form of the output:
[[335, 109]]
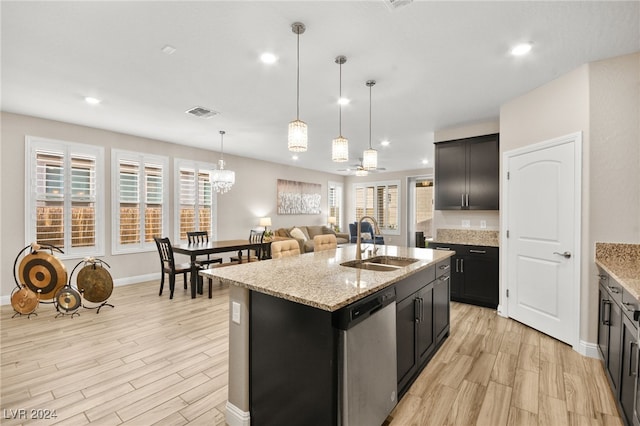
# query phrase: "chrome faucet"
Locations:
[[376, 230]]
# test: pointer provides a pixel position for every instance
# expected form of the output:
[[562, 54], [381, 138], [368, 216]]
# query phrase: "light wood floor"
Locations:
[[150, 360]]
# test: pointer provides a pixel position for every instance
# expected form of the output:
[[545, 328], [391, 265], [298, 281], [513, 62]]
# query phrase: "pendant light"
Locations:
[[297, 139], [370, 156], [340, 145], [222, 180]]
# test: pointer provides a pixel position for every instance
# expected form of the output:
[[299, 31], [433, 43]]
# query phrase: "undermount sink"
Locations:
[[380, 263]]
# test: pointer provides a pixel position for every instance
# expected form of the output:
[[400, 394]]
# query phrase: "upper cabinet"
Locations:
[[467, 174]]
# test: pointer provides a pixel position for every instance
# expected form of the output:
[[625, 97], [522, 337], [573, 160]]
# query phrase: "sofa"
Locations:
[[304, 235]]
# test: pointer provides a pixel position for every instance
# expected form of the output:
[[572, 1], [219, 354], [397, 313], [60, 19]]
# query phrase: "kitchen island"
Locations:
[[284, 363]]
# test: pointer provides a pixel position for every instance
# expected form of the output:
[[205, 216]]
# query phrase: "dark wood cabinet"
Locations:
[[422, 321], [628, 367], [467, 174], [474, 273]]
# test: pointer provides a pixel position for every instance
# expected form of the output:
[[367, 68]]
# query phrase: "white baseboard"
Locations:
[[501, 311], [237, 417], [587, 349], [6, 300]]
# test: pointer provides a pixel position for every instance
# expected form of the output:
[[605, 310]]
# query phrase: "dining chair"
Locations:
[[199, 237], [324, 242], [168, 265], [284, 248], [254, 237]]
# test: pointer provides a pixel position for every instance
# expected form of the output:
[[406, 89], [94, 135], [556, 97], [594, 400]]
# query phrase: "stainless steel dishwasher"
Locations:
[[367, 349]]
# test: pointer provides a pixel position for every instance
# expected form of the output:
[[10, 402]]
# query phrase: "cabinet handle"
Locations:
[[478, 251], [614, 290], [461, 200], [467, 200], [626, 305], [444, 277], [416, 307], [601, 276], [632, 371], [444, 267], [421, 309], [607, 303], [462, 265], [457, 265], [443, 248]]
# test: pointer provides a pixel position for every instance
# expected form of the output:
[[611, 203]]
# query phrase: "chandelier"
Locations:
[[340, 145], [297, 138], [370, 156], [222, 180]]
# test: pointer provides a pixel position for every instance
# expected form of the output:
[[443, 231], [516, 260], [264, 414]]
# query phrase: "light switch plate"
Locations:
[[483, 224], [466, 223], [235, 312]]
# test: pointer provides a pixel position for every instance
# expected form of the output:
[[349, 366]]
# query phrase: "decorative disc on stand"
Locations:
[[42, 271], [94, 282], [24, 301], [68, 300]]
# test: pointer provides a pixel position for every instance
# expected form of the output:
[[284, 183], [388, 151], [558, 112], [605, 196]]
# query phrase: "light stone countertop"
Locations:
[[473, 237], [622, 262], [317, 279]]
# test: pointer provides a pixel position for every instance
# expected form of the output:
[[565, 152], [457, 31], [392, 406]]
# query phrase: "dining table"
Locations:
[[212, 247]]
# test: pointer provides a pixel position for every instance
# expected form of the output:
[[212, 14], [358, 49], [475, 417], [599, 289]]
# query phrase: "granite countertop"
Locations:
[[622, 262], [475, 237], [317, 279]]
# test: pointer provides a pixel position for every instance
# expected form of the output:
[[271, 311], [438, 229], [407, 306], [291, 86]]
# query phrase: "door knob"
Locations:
[[566, 254]]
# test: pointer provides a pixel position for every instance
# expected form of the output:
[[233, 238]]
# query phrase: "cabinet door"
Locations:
[[615, 344], [457, 279], [441, 306], [426, 340], [406, 339], [480, 279], [604, 319], [483, 171], [450, 175], [628, 367]]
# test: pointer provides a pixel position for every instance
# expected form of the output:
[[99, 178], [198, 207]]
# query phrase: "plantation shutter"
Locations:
[[129, 191], [187, 202], [154, 199], [205, 201], [83, 201], [49, 182]]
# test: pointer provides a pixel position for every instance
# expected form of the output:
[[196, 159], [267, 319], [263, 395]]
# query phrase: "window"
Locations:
[[380, 201], [139, 201], [196, 209], [335, 202], [63, 204]]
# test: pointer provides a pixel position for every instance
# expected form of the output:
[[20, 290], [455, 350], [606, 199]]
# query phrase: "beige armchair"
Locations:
[[284, 248], [324, 242]]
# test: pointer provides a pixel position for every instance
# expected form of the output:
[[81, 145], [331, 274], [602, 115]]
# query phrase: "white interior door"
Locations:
[[542, 220]]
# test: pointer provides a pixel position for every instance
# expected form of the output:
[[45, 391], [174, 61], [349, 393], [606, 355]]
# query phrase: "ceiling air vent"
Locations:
[[202, 112], [394, 4]]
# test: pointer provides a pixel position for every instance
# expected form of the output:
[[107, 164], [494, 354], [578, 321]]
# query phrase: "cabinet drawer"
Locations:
[[443, 267], [613, 288], [629, 305]]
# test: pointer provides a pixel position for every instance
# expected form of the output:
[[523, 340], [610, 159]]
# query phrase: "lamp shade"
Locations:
[[332, 220], [297, 139], [370, 159], [265, 221], [340, 150]]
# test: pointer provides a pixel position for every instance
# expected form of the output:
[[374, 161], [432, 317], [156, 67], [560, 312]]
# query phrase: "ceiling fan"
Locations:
[[360, 168]]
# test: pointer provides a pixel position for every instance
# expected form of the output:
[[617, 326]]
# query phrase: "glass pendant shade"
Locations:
[[222, 180], [340, 150], [361, 172], [297, 136], [370, 159]]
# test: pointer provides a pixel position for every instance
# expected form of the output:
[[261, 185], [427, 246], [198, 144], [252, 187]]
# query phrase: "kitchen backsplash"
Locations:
[[468, 236]]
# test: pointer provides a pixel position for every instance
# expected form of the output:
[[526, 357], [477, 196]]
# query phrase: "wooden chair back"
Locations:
[[165, 250], [197, 237]]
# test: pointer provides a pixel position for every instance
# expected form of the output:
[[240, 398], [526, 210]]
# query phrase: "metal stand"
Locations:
[[61, 314], [98, 307], [27, 315]]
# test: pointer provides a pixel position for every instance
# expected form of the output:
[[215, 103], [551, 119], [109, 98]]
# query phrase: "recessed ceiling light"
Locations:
[[294, 157], [168, 50], [344, 101], [425, 161], [385, 143], [521, 49], [268, 58], [91, 100]]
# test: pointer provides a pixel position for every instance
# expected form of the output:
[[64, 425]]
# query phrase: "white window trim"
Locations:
[[198, 166], [383, 183], [340, 220], [116, 156], [35, 143]]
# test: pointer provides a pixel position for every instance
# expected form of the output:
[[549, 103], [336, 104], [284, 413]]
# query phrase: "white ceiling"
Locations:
[[437, 65]]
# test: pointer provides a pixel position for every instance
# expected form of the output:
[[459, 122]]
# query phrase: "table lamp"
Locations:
[[332, 221]]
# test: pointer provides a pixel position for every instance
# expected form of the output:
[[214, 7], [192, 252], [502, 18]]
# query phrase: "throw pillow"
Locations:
[[365, 235], [297, 234]]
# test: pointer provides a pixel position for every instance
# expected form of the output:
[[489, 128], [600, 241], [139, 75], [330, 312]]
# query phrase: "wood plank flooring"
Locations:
[[151, 360]]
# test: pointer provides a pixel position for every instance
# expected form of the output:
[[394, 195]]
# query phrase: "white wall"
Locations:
[[601, 100], [253, 195]]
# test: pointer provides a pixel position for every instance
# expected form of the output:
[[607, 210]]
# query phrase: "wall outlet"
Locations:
[[466, 223], [235, 312], [483, 224]]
